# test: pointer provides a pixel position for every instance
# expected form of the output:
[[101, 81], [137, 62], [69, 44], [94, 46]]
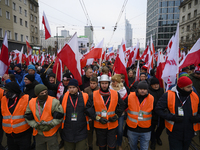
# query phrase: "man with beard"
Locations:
[[13, 107], [44, 114], [182, 116], [105, 106]]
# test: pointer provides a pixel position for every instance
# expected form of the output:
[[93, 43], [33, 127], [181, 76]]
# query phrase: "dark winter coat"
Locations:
[[29, 89], [196, 82]]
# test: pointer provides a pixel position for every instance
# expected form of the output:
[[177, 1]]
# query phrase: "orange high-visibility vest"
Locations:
[[15, 122], [1, 93], [100, 106], [64, 105], [171, 98], [46, 117], [134, 107]]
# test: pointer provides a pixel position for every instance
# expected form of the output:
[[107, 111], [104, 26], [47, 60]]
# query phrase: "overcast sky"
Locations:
[[103, 13]]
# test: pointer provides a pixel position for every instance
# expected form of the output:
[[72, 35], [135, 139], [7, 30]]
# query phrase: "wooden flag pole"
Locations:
[[50, 64], [113, 70], [56, 73], [163, 86]]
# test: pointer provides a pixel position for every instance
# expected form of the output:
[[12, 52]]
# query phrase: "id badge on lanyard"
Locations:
[[180, 111], [104, 111], [74, 117], [140, 115]]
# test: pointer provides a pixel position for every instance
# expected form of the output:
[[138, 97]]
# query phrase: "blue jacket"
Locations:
[[37, 78], [18, 75]]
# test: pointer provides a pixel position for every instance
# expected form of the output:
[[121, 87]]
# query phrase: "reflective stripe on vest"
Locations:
[[134, 108], [64, 105], [46, 117], [171, 98], [15, 122], [99, 106]]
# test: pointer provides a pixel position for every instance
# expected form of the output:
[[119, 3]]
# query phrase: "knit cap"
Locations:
[[154, 80], [39, 88], [184, 81], [19, 65], [142, 85], [31, 67], [30, 77], [73, 82]]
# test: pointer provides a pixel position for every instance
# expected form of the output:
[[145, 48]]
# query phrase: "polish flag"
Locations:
[[152, 46], [57, 69], [171, 67], [42, 59], [192, 57], [160, 68], [46, 26], [120, 65], [131, 55], [95, 53], [70, 56], [21, 55], [103, 55], [145, 51], [136, 54], [123, 45], [29, 52], [137, 77], [4, 56]]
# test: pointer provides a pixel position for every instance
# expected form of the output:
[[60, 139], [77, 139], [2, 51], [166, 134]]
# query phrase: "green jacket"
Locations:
[[56, 106]]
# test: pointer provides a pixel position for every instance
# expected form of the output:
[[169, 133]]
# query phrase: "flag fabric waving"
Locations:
[[70, 56], [4, 56], [57, 69], [46, 26]]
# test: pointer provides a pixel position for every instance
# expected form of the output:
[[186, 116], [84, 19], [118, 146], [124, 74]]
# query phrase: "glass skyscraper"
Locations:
[[162, 19], [128, 33]]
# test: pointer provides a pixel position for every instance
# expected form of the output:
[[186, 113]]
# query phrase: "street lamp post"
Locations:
[[57, 37]]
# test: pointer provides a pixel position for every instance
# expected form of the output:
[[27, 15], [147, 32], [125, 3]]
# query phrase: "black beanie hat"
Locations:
[[30, 77], [154, 80], [73, 82], [13, 87], [142, 85]]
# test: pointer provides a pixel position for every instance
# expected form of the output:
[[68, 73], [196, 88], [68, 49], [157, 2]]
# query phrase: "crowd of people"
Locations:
[[35, 107]]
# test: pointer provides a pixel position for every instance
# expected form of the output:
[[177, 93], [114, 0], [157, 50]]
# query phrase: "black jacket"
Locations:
[[156, 94], [90, 110], [75, 131], [85, 82], [29, 89], [181, 131], [134, 87]]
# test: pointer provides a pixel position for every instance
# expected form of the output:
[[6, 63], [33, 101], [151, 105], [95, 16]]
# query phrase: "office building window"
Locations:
[[25, 12], [20, 9], [187, 37], [194, 25], [32, 28], [21, 23], [188, 28], [22, 38], [195, 2], [9, 34], [184, 9], [35, 19], [7, 15], [7, 2], [26, 24], [14, 6], [36, 30], [31, 17], [195, 13], [189, 16], [34, 9], [36, 40], [183, 18], [0, 12], [1, 32], [15, 36], [25, 2], [31, 6], [182, 29], [189, 5], [27, 38], [32, 39], [15, 19]]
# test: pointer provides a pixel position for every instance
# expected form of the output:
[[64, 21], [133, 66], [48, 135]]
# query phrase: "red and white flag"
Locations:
[[95, 53], [42, 59], [145, 51], [152, 46], [29, 52], [57, 69], [123, 45], [171, 67], [4, 56], [160, 68], [120, 65], [71, 58], [21, 55], [192, 57], [46, 26], [137, 77]]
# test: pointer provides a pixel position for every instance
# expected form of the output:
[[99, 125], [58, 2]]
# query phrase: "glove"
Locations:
[[43, 76], [177, 119], [29, 116], [103, 120], [194, 119], [46, 127], [113, 119], [57, 115]]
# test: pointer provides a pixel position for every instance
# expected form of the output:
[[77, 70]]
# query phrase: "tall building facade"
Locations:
[[20, 18], [65, 33], [128, 33], [161, 21], [189, 23], [89, 34]]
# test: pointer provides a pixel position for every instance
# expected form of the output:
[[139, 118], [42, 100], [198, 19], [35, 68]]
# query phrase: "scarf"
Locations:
[[104, 93]]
